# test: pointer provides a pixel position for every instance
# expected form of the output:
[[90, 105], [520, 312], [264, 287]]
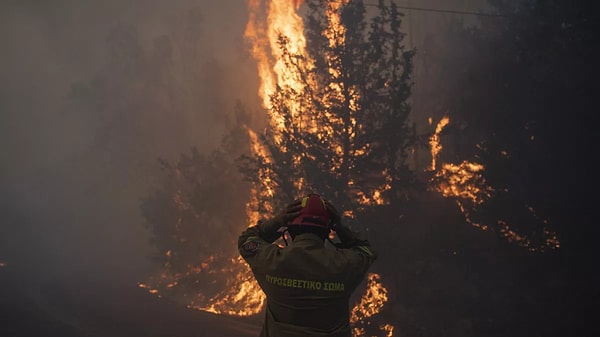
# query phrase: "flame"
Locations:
[[465, 184], [434, 140], [240, 294], [271, 25], [244, 298], [266, 176], [281, 21], [284, 27], [279, 48], [370, 304]]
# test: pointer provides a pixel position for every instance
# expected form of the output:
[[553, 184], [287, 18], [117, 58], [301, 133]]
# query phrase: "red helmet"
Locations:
[[313, 212]]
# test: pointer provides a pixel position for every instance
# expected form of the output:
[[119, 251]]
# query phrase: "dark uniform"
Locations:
[[308, 284]]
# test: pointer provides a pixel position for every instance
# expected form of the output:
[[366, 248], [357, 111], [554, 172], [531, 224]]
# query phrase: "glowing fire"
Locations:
[[244, 299], [271, 23], [265, 181], [370, 304], [241, 296], [465, 184], [284, 25], [276, 33], [281, 19]]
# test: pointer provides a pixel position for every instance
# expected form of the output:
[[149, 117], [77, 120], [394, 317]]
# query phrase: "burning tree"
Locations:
[[194, 213], [331, 127], [501, 132], [338, 119], [336, 92]]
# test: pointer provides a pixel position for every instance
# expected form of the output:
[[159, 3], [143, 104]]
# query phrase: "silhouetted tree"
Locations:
[[518, 88], [507, 89]]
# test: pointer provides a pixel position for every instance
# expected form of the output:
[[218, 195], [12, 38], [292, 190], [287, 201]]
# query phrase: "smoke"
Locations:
[[88, 106], [91, 94]]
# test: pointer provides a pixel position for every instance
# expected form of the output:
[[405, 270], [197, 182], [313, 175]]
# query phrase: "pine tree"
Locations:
[[343, 128]]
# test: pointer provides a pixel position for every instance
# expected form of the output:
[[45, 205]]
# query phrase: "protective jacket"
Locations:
[[308, 284]]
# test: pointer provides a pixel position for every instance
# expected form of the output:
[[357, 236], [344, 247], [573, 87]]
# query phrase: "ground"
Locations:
[[30, 309]]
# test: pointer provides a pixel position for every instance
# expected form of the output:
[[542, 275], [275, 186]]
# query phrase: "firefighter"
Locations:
[[307, 282]]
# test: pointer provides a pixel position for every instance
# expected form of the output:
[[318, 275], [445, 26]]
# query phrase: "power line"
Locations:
[[448, 11], [437, 10]]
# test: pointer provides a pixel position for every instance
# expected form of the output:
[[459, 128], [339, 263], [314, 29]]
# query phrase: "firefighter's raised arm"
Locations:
[[348, 238], [267, 229]]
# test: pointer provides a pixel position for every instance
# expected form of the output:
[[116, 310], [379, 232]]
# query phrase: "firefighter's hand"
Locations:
[[336, 218], [291, 211]]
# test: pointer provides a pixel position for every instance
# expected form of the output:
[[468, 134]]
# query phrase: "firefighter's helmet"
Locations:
[[314, 213]]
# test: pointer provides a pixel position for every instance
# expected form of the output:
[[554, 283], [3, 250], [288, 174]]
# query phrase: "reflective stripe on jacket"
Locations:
[[308, 285]]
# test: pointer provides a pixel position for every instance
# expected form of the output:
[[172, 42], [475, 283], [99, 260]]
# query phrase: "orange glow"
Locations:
[[290, 68], [370, 304], [465, 184], [273, 23], [435, 142], [284, 24], [241, 296], [244, 297], [281, 20], [388, 329], [464, 181]]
